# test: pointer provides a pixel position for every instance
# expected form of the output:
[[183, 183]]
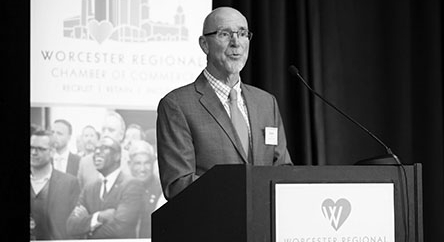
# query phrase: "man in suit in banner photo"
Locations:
[[87, 141], [110, 207], [113, 126], [53, 193], [217, 119], [64, 160]]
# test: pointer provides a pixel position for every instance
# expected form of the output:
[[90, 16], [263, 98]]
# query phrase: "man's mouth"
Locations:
[[235, 55], [98, 160]]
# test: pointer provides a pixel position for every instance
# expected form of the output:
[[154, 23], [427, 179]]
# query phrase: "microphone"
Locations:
[[386, 159]]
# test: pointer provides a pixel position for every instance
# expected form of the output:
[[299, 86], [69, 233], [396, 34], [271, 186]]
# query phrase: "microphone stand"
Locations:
[[388, 159]]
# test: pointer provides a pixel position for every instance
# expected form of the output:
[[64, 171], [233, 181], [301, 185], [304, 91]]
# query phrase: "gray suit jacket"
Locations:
[[125, 197], [63, 192], [194, 133]]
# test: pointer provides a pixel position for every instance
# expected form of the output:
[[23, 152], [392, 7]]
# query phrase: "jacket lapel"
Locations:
[[69, 164], [212, 104]]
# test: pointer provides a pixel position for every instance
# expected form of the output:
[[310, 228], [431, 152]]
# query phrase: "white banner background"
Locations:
[[75, 63], [79, 69]]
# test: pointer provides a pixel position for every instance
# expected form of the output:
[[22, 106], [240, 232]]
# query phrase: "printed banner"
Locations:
[[114, 53]]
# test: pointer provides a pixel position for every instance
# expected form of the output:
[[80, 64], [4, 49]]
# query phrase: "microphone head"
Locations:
[[293, 70]]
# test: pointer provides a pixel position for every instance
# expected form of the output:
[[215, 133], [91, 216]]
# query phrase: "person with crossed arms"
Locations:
[[110, 207]]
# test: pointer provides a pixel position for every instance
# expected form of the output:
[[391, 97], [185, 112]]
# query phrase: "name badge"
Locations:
[[271, 135]]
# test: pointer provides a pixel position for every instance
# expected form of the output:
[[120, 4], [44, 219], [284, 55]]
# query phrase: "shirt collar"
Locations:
[[110, 178], [222, 89], [44, 178], [237, 87], [64, 155]]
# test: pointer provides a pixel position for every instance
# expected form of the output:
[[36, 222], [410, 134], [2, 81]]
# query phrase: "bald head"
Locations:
[[222, 17], [226, 53]]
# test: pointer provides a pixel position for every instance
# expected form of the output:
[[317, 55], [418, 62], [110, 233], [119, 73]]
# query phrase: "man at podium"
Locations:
[[217, 119]]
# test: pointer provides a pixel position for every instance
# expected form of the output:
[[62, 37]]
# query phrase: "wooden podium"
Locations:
[[235, 202]]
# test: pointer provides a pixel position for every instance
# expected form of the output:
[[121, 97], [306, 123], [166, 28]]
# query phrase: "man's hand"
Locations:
[[106, 216], [80, 211]]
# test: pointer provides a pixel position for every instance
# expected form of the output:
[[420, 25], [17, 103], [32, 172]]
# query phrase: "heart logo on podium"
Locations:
[[336, 212], [100, 31]]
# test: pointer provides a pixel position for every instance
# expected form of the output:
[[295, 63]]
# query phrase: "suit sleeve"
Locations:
[[126, 215], [79, 226], [73, 164], [176, 154], [281, 155], [74, 193]]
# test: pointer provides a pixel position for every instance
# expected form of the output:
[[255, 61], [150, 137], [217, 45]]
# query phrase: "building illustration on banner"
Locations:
[[123, 21]]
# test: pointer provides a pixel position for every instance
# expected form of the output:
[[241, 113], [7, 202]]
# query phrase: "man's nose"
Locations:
[[234, 43], [234, 40]]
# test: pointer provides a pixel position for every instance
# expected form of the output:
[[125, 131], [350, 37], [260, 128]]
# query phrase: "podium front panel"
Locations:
[[236, 202], [334, 212]]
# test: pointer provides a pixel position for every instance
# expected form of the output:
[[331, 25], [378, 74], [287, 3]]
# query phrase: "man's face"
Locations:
[[61, 135], [141, 166], [89, 139], [112, 127], [41, 151], [106, 156], [227, 56]]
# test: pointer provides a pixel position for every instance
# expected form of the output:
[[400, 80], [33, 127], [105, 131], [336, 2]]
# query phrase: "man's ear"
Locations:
[[203, 44], [118, 157]]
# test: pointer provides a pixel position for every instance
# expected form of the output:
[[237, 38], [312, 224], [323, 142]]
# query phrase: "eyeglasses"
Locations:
[[225, 35], [39, 149]]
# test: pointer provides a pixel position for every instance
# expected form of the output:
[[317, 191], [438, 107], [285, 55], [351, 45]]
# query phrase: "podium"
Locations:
[[239, 203]]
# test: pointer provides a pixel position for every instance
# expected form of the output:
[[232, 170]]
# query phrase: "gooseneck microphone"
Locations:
[[379, 160]]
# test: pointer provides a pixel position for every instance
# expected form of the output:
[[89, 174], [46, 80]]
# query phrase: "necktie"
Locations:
[[104, 189], [238, 121]]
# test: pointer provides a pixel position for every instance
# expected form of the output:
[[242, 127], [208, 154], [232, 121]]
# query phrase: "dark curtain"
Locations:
[[379, 61]]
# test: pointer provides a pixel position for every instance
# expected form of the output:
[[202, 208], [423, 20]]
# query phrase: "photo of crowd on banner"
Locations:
[[106, 190]]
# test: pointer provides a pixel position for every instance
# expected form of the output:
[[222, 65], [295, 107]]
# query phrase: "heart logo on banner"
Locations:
[[336, 212], [100, 31]]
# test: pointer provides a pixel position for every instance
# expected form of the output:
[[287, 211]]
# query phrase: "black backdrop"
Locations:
[[380, 61]]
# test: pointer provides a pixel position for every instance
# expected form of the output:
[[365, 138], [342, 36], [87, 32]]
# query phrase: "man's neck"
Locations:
[[229, 79], [108, 172], [232, 79], [62, 150], [38, 173]]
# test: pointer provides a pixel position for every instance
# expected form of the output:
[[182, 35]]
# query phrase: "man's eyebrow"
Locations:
[[229, 28]]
